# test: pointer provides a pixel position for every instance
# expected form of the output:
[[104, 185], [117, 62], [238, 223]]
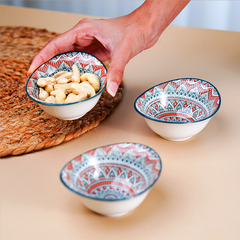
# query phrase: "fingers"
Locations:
[[65, 42], [59, 44], [72, 40], [115, 74], [112, 85]]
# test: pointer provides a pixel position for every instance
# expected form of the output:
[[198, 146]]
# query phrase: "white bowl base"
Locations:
[[74, 118], [117, 215], [176, 139]]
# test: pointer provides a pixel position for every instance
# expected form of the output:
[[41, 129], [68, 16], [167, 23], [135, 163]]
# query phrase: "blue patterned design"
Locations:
[[179, 101], [64, 62], [113, 172]]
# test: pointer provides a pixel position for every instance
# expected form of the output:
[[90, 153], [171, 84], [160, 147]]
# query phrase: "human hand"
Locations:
[[118, 39], [103, 38]]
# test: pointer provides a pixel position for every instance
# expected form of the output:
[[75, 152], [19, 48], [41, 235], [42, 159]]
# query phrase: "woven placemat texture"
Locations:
[[24, 126]]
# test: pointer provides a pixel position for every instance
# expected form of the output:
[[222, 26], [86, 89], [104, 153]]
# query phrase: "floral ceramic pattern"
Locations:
[[179, 101], [113, 172], [64, 62]]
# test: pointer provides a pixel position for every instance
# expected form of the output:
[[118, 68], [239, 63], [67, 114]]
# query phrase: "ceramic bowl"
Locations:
[[114, 179], [64, 62], [180, 108]]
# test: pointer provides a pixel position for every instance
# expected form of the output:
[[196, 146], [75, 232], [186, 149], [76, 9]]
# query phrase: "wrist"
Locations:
[[155, 16]]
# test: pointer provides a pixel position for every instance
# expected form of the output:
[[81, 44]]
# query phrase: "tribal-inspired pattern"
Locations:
[[64, 62], [113, 172], [179, 101]]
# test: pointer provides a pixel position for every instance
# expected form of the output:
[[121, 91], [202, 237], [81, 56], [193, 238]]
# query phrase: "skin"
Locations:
[[119, 39]]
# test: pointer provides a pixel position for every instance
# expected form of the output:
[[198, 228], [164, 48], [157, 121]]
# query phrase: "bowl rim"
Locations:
[[159, 120], [64, 104], [114, 200]]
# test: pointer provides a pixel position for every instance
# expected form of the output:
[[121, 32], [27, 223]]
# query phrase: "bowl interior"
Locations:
[[179, 101], [114, 172], [64, 62]]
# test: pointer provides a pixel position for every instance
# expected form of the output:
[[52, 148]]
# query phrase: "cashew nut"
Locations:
[[76, 74], [42, 94], [63, 80], [50, 80], [60, 97], [50, 99], [82, 96], [48, 88], [92, 79], [68, 87], [75, 98], [55, 92], [89, 87], [64, 87], [65, 74], [77, 88], [57, 74], [42, 82], [71, 98]]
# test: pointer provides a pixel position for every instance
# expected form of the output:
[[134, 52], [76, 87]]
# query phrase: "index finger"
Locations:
[[59, 44]]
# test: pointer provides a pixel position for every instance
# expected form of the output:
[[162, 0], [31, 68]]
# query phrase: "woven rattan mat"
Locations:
[[24, 126]]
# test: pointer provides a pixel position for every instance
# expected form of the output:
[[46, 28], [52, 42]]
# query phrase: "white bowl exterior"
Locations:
[[113, 208], [114, 179], [64, 62], [71, 112], [176, 132], [166, 106]]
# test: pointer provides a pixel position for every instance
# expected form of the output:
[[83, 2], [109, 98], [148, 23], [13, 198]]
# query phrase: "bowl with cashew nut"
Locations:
[[68, 85]]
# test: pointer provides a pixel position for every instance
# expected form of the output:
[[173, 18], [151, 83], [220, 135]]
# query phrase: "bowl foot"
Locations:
[[176, 139], [117, 215], [74, 118]]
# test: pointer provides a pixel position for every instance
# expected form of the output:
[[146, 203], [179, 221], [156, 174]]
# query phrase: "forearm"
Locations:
[[156, 15]]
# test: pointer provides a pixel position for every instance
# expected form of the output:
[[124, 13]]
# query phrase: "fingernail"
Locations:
[[112, 88], [28, 72]]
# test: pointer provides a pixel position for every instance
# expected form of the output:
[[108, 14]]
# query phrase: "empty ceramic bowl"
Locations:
[[113, 179], [179, 109], [86, 63]]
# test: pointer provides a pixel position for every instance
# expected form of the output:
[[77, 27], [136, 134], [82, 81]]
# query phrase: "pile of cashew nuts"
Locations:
[[68, 87]]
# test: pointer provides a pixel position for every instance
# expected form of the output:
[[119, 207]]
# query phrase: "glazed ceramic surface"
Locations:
[[179, 108], [113, 179], [64, 62]]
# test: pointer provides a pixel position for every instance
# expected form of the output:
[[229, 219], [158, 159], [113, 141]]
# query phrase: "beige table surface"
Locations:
[[198, 193]]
